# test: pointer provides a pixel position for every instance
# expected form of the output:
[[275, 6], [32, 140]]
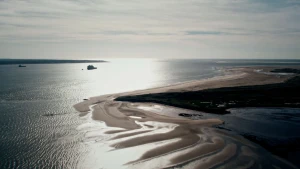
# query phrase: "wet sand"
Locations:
[[178, 141]]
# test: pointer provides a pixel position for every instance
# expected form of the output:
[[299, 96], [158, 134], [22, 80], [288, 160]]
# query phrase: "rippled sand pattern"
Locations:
[[155, 140], [177, 142]]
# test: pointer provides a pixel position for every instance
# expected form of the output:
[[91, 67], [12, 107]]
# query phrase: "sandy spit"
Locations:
[[197, 144]]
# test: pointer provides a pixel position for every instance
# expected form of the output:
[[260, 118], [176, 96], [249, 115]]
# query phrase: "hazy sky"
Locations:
[[83, 29]]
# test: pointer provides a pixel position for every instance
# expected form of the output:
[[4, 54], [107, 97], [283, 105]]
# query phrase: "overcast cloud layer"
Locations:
[[157, 28]]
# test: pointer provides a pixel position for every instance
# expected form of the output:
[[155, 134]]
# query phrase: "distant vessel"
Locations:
[[91, 67], [22, 66]]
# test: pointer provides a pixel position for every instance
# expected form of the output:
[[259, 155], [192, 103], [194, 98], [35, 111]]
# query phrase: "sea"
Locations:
[[39, 128]]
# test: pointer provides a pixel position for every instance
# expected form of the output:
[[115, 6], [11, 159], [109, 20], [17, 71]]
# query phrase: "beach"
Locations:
[[163, 140]]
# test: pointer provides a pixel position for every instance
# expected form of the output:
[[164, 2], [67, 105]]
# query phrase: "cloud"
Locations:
[[205, 23], [204, 33]]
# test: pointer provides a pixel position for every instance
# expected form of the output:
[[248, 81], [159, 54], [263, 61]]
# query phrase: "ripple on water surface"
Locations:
[[30, 139]]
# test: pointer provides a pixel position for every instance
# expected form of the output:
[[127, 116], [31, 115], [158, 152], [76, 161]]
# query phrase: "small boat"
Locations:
[[22, 66], [91, 67]]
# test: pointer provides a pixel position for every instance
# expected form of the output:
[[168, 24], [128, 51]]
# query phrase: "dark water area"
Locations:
[[39, 125], [276, 129]]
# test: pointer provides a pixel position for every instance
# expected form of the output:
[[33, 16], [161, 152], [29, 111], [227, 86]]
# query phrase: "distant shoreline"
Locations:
[[45, 61]]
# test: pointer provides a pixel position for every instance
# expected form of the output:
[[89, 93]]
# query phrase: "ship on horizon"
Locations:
[[91, 67]]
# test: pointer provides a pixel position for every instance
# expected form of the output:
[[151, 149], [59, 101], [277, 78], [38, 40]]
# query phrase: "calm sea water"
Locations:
[[30, 138]]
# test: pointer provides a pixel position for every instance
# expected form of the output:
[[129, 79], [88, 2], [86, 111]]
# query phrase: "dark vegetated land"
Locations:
[[44, 61], [286, 70], [220, 99]]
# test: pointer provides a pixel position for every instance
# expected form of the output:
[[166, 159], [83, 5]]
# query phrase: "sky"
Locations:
[[96, 29]]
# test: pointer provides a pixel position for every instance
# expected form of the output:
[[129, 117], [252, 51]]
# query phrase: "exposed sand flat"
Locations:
[[179, 141], [202, 149], [109, 113], [114, 131], [129, 134], [184, 142], [218, 158]]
